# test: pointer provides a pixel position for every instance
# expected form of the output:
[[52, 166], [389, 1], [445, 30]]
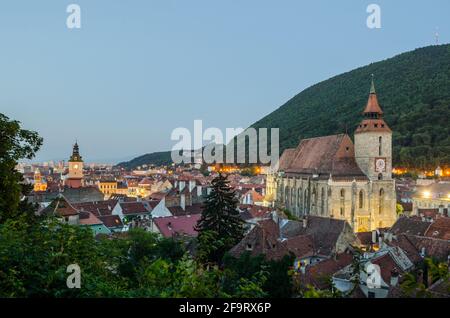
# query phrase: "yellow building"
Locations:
[[107, 187], [433, 196], [39, 183]]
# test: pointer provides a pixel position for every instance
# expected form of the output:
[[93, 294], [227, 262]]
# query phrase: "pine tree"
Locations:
[[220, 227]]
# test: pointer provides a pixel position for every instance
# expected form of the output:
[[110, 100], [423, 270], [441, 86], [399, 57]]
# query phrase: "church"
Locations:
[[333, 177]]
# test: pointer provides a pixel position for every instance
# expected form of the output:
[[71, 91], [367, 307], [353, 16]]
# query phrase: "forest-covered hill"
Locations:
[[413, 89]]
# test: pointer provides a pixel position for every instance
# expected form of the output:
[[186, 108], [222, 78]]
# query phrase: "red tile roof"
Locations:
[[87, 218], [60, 207], [439, 229], [153, 203], [256, 197], [256, 211], [263, 239], [111, 221], [190, 209], [133, 208], [98, 208], [365, 238], [413, 226], [302, 246], [433, 247], [158, 195], [387, 265], [177, 225], [317, 274], [324, 156]]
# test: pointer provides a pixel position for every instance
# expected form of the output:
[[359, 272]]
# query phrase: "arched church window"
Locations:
[[342, 207], [380, 176], [380, 142], [299, 198], [322, 202], [361, 199], [381, 202], [305, 201], [286, 195]]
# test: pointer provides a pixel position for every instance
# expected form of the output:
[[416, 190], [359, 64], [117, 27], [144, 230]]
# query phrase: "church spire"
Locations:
[[373, 114], [75, 153], [373, 109], [372, 87]]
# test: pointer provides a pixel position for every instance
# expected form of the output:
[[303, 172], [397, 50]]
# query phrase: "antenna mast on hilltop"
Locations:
[[436, 36]]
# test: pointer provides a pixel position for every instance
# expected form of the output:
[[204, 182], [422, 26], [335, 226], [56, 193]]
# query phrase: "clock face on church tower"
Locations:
[[380, 164]]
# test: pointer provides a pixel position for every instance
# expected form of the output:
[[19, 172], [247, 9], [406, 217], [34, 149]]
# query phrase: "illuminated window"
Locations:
[[361, 199]]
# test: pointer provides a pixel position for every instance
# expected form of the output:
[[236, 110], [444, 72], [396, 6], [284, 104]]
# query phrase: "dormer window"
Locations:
[[249, 247]]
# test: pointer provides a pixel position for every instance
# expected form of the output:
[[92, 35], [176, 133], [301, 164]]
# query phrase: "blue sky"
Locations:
[[138, 69]]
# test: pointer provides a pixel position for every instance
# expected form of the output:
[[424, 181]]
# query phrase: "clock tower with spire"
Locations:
[[75, 177], [373, 141]]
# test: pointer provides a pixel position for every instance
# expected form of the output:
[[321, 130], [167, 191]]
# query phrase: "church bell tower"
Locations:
[[373, 141]]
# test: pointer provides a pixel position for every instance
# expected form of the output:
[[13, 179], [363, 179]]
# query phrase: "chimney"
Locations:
[[305, 223], [191, 185], [302, 268], [423, 252], [448, 263], [441, 210], [374, 237], [420, 276], [279, 230], [394, 277], [183, 201]]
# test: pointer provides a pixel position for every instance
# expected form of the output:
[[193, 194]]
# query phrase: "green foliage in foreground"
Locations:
[[34, 260], [15, 143]]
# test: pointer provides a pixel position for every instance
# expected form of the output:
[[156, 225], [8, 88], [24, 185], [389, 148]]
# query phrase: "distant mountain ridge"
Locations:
[[413, 89], [155, 158]]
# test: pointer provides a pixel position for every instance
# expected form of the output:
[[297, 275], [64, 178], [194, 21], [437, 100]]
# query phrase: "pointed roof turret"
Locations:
[[75, 153], [373, 109], [373, 114], [372, 87]]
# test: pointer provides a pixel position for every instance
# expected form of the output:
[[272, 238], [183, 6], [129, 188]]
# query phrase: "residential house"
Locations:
[[176, 226]]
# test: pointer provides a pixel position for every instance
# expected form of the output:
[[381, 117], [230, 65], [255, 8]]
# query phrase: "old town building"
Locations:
[[75, 177]]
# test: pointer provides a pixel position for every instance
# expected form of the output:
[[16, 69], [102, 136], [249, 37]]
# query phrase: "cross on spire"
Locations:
[[372, 87]]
